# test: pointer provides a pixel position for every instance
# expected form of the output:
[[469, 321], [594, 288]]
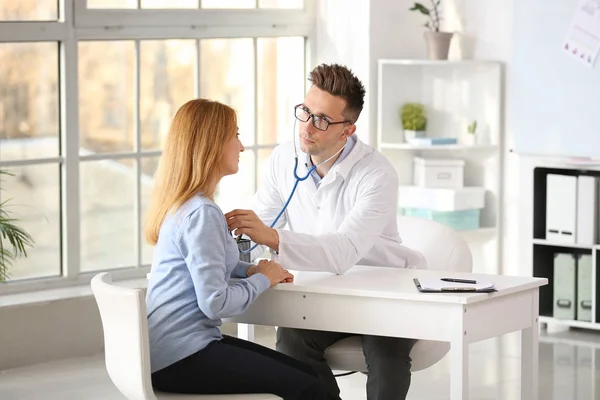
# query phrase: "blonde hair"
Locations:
[[191, 158]]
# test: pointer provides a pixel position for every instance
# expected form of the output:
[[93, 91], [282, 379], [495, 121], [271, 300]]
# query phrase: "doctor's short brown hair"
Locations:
[[338, 80]]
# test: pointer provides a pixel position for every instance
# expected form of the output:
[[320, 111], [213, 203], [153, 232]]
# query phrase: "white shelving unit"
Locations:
[[544, 250], [544, 242], [454, 93], [442, 147]]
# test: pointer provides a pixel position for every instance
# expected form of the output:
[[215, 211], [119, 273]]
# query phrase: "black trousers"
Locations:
[[388, 360], [235, 366]]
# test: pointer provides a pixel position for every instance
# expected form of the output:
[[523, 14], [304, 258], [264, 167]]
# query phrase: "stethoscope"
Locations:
[[298, 180]]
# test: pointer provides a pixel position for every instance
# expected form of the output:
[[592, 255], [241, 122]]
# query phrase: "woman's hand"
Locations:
[[274, 271]]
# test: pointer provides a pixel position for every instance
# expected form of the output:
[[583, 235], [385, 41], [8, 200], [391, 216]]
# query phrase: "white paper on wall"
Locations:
[[583, 38]]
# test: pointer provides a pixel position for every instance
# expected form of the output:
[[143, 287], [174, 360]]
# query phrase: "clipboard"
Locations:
[[436, 285]]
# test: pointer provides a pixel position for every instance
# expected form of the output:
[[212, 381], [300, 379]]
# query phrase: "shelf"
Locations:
[[571, 323], [434, 62], [478, 232], [466, 234], [437, 84], [440, 147], [544, 242]]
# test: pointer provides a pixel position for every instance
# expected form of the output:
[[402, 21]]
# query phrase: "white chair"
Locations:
[[443, 249], [126, 347]]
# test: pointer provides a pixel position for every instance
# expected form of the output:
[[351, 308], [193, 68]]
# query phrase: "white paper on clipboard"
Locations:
[[438, 285]]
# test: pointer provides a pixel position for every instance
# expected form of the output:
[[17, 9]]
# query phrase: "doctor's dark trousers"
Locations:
[[235, 366], [388, 360]]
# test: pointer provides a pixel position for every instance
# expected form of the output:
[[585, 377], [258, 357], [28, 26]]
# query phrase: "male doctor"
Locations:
[[343, 214]]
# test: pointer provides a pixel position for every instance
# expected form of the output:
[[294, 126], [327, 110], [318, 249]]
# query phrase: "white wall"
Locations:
[[486, 32], [49, 330], [357, 33], [386, 29], [343, 38]]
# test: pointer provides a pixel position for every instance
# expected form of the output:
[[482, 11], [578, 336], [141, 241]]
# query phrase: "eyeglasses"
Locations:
[[321, 123]]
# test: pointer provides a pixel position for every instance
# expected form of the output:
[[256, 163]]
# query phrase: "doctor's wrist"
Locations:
[[274, 240], [251, 271]]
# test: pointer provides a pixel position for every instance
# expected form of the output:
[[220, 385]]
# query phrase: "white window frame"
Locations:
[[76, 23]]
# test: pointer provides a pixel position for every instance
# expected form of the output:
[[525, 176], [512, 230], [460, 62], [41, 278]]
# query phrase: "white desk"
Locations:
[[385, 301]]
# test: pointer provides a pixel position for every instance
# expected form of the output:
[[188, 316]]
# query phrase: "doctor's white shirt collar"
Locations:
[[349, 146]]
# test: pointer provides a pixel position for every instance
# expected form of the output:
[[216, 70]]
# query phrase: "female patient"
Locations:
[[194, 258]]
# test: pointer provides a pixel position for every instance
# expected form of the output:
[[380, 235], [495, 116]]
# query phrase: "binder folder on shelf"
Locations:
[[561, 208], [587, 194], [437, 285], [584, 288], [564, 286]]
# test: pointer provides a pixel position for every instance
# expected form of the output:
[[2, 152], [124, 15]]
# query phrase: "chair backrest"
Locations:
[[126, 348], [442, 247]]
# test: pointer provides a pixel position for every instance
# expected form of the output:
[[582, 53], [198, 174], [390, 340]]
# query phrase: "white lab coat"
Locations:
[[349, 219]]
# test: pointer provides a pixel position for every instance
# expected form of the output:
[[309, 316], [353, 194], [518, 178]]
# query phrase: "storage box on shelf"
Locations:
[[436, 173], [566, 249], [439, 195], [459, 209]]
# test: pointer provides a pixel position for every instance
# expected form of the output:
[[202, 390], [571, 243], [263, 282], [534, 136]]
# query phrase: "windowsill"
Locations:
[[50, 295]]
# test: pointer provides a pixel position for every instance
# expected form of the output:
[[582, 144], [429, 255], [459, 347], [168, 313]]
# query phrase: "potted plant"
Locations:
[[11, 234], [414, 120], [438, 43], [471, 130]]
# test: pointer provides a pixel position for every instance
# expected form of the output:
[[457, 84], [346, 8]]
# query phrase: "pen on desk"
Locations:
[[456, 280]]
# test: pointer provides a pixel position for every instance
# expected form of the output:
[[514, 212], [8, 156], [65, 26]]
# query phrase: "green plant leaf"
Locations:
[[472, 127], [420, 7], [5, 260], [413, 117], [16, 236]]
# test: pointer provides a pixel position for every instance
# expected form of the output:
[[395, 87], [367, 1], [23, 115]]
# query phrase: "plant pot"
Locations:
[[469, 139], [409, 134], [438, 44]]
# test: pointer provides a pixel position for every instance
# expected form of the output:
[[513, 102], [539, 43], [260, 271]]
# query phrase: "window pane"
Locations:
[[33, 194], [170, 4], [236, 191], [166, 82], [149, 165], [281, 83], [280, 3], [228, 3], [106, 96], [227, 75], [28, 100], [108, 223], [28, 10], [111, 3]]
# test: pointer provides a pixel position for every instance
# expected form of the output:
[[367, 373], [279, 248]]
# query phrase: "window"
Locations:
[[28, 10], [86, 104], [191, 4], [29, 149]]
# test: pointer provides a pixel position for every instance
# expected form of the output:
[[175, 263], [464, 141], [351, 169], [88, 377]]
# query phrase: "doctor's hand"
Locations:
[[246, 222], [274, 271]]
